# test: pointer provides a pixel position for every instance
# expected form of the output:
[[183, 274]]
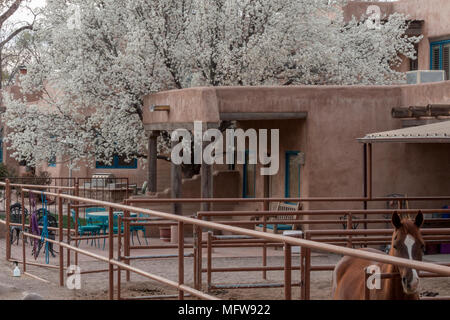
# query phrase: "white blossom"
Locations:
[[94, 71]]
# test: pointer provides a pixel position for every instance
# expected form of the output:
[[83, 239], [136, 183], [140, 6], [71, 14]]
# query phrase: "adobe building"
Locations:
[[320, 154], [319, 125], [427, 18]]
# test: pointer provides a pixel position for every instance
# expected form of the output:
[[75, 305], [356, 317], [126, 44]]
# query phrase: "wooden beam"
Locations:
[[170, 126], [437, 110], [152, 162], [419, 111], [432, 110], [401, 112], [175, 183], [415, 28], [230, 116], [206, 182]]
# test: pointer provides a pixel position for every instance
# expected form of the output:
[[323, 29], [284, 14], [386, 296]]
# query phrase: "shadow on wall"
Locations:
[[226, 185]]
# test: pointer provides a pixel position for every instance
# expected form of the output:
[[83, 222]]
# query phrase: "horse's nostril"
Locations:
[[404, 280]]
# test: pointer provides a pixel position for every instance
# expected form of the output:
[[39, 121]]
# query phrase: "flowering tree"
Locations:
[[99, 58], [12, 52]]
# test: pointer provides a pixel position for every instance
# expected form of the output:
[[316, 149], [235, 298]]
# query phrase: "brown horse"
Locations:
[[407, 242]]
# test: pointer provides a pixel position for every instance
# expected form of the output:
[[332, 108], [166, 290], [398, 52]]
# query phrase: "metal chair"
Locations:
[[97, 221], [15, 214], [136, 229], [280, 228], [90, 229]]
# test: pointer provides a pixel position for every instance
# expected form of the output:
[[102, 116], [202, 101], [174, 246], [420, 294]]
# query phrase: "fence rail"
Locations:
[[114, 263]]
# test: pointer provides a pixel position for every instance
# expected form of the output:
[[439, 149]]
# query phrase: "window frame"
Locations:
[[52, 162], [287, 187], [115, 164], [245, 178], [441, 45], [414, 64]]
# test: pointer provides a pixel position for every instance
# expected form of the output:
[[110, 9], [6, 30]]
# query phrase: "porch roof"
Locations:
[[431, 133]]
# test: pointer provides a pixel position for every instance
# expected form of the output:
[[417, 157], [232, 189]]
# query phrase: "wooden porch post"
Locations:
[[152, 162], [175, 181], [206, 182]]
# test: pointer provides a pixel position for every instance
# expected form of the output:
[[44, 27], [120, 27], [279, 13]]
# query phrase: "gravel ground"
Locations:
[[95, 286]]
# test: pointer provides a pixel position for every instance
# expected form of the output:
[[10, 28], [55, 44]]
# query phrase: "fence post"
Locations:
[[366, 288], [264, 257], [349, 227], [127, 240], [69, 232], [7, 219], [119, 247], [287, 271], [180, 258], [200, 257], [61, 235], [24, 258], [194, 234], [209, 259], [77, 216], [111, 252], [307, 269], [302, 273]]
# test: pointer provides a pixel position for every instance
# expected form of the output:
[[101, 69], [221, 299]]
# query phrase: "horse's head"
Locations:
[[407, 242]]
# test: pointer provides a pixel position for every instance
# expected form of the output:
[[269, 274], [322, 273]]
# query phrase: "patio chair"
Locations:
[[136, 229], [89, 229], [279, 228], [115, 224], [15, 212], [97, 221]]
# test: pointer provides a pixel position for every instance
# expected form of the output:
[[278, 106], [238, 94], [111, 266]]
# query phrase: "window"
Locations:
[[292, 175], [119, 162], [249, 184], [52, 162], [440, 57], [414, 64]]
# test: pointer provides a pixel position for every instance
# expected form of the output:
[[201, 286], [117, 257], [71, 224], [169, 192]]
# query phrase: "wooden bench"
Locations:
[[279, 228]]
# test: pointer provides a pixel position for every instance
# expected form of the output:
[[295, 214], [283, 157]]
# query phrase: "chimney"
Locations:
[[23, 70]]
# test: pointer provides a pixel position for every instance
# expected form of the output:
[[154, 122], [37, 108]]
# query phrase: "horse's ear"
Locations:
[[396, 220], [419, 219]]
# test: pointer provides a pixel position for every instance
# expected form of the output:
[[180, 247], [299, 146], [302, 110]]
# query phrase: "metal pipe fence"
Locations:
[[115, 265]]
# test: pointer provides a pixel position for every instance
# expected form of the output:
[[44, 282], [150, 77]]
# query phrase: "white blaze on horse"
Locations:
[[349, 274]]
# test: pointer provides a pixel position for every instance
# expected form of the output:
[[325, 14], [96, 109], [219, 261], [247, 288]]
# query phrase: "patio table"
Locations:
[[105, 214]]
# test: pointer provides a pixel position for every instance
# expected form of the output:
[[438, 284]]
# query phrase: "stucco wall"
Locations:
[[336, 117], [435, 14]]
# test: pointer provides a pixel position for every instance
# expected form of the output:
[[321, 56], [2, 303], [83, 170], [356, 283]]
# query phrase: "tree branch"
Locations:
[[10, 12], [15, 33]]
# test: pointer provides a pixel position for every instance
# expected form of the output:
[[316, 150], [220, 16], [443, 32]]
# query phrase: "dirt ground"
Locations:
[[95, 286]]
